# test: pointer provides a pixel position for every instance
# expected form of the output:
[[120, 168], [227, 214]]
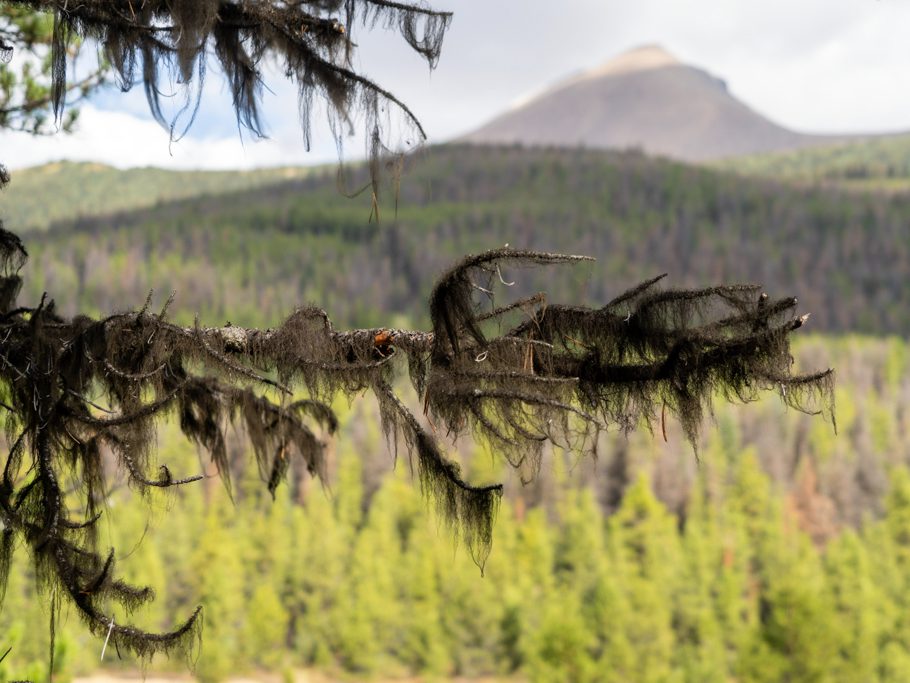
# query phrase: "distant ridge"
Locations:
[[41, 195], [252, 255], [646, 98]]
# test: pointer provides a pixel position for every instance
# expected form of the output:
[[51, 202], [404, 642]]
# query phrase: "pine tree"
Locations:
[[793, 640], [322, 545], [859, 605], [700, 643], [25, 94], [579, 623], [220, 583], [420, 642], [371, 622], [644, 540], [890, 544], [266, 626]]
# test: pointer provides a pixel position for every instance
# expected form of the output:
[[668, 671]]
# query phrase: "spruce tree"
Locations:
[[859, 605], [700, 643], [643, 537], [220, 583]]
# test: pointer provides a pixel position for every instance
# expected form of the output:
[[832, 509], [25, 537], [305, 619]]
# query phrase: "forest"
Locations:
[[783, 554], [878, 163], [251, 257]]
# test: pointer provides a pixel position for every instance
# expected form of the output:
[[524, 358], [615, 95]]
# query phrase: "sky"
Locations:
[[820, 66]]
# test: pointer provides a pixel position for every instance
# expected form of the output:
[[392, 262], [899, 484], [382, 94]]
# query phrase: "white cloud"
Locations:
[[125, 141]]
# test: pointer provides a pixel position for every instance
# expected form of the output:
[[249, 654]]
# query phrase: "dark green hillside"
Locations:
[[251, 257], [881, 163], [42, 195]]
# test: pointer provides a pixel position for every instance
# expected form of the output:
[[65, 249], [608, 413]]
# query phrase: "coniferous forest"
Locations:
[[252, 256], [784, 554]]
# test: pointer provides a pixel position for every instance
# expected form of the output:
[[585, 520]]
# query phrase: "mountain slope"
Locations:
[[876, 164], [645, 98], [251, 257], [41, 195]]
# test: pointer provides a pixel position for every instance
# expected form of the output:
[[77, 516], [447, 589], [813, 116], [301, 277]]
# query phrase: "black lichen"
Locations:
[[560, 376], [158, 43]]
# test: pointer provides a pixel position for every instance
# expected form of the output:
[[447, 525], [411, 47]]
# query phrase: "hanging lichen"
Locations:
[[166, 46], [559, 377]]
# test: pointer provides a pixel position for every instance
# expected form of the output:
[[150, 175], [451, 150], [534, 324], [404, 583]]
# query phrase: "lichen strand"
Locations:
[[469, 509], [565, 372], [156, 42], [559, 376]]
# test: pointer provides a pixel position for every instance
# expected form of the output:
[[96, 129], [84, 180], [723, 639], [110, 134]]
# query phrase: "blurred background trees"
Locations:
[[732, 585]]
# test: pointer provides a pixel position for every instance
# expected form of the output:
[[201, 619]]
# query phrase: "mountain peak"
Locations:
[[641, 58], [643, 98]]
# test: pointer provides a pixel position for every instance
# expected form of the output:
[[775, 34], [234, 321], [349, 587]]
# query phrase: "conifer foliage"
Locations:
[[25, 93], [81, 393]]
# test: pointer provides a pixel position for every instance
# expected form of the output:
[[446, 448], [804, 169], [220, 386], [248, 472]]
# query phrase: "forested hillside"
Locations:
[[876, 163], [68, 190], [252, 256]]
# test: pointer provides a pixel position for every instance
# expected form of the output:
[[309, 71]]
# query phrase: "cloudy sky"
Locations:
[[812, 65]]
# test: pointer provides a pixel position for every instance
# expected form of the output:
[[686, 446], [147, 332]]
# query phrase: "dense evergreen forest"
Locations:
[[251, 257], [783, 553], [67, 190], [879, 163]]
